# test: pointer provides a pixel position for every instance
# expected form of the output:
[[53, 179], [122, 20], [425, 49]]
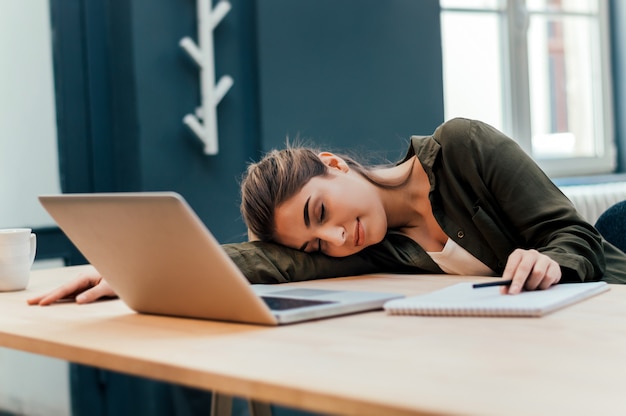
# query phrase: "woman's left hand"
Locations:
[[530, 270], [88, 286]]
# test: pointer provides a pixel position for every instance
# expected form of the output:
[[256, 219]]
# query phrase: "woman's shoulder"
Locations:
[[447, 133], [463, 127], [460, 136], [473, 133], [460, 139], [457, 124]]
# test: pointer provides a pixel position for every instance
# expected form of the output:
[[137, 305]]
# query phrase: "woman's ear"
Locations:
[[333, 161]]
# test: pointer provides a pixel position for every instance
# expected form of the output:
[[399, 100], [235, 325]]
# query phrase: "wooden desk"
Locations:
[[571, 362]]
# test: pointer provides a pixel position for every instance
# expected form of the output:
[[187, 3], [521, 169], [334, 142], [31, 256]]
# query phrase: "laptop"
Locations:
[[159, 257]]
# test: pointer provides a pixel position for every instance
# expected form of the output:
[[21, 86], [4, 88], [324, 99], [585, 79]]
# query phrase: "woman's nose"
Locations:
[[334, 235]]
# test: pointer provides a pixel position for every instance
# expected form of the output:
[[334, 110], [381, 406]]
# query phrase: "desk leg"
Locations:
[[221, 405], [259, 408]]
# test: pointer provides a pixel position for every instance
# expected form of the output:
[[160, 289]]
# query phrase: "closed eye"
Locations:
[[322, 216]]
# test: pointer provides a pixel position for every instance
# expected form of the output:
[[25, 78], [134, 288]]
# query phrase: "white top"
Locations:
[[454, 259]]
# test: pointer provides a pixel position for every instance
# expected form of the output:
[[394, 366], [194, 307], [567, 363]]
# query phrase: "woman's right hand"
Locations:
[[88, 286]]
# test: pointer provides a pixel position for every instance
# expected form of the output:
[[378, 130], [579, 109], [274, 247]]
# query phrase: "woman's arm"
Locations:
[[269, 263], [525, 203], [260, 263]]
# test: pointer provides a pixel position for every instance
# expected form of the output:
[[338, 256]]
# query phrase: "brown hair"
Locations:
[[278, 176], [273, 180]]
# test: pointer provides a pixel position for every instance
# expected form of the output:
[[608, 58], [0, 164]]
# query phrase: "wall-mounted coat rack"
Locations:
[[204, 122]]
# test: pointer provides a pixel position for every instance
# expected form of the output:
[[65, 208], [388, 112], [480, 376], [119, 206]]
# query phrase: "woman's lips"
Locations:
[[359, 233]]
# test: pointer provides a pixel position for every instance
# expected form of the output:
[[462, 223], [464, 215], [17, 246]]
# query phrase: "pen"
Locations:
[[496, 283]]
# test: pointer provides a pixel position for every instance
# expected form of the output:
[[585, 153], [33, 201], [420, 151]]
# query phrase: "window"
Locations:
[[537, 70]]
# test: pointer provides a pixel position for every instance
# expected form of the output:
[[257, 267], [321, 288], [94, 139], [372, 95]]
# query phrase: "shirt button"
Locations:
[[460, 234]]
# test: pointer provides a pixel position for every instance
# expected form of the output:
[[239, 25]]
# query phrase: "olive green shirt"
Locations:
[[487, 195]]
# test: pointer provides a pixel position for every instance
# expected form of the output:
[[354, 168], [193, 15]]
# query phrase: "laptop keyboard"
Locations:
[[281, 304]]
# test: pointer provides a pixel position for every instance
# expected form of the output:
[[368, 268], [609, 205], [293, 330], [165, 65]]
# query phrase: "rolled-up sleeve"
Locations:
[[263, 262], [267, 263]]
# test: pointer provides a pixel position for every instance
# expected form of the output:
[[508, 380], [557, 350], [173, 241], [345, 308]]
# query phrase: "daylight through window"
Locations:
[[539, 71]]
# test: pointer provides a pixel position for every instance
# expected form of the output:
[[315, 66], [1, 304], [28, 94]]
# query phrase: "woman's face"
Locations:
[[338, 214]]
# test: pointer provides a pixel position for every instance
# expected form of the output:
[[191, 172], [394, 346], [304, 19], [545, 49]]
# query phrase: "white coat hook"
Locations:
[[204, 122]]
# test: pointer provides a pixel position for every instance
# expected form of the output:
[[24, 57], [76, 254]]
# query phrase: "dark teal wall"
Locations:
[[167, 88], [350, 74], [362, 74]]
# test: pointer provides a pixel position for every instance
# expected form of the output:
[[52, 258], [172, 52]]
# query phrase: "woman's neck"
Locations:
[[409, 211], [406, 205]]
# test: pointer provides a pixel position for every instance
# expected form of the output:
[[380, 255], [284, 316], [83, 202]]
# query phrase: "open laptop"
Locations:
[[159, 258]]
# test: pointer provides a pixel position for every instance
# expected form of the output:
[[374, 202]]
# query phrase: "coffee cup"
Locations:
[[17, 253]]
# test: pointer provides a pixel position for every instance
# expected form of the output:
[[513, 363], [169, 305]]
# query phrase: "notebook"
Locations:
[[159, 258], [462, 300]]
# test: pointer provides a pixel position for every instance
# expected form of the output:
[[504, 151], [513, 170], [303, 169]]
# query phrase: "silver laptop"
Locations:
[[159, 258]]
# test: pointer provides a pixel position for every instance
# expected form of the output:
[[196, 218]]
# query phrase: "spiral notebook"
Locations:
[[462, 300]]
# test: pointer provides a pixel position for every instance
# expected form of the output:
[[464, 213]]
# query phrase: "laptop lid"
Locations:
[[158, 256]]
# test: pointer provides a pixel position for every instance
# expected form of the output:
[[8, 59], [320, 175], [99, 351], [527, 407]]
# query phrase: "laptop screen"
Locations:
[[281, 304]]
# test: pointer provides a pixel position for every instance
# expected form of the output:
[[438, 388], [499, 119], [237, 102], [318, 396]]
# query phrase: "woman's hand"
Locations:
[[530, 270], [87, 287]]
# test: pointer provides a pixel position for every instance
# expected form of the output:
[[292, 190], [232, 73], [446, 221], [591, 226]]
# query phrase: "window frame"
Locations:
[[514, 19]]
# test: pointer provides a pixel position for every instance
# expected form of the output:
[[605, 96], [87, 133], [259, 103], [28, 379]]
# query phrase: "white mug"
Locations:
[[17, 253]]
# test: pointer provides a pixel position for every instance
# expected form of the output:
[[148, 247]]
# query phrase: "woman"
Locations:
[[465, 200]]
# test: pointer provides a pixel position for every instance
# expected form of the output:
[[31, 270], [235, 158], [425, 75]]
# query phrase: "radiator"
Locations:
[[592, 200]]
